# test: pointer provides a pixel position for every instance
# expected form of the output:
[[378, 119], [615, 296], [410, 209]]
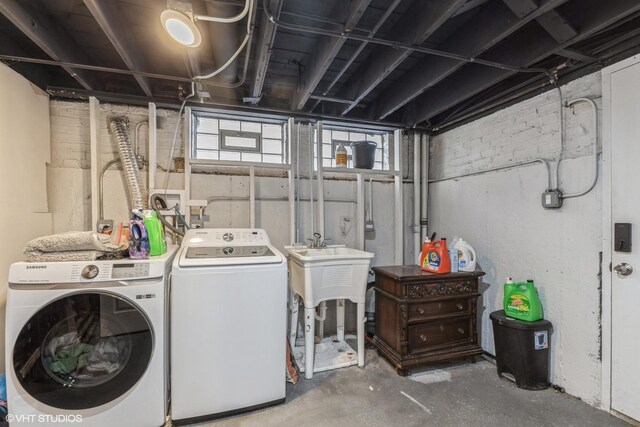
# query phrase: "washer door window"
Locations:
[[83, 350]]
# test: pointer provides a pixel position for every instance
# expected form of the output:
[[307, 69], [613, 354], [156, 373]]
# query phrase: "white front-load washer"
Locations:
[[86, 342], [228, 324]]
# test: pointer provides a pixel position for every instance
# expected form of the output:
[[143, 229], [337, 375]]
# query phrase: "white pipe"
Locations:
[[310, 145], [424, 171], [594, 108], [320, 180], [94, 119], [225, 20], [252, 196], [152, 153], [416, 194], [360, 212], [370, 212], [398, 198], [298, 237], [293, 217], [247, 8]]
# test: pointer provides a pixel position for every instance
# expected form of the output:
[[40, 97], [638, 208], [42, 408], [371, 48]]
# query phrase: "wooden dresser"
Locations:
[[424, 317]]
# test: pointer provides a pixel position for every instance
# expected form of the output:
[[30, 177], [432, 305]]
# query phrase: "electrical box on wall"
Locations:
[[552, 199]]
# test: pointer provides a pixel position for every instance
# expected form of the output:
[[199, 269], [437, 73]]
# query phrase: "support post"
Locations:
[[399, 219], [252, 196], [152, 154]]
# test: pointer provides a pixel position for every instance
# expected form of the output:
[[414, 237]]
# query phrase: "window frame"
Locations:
[[222, 148]]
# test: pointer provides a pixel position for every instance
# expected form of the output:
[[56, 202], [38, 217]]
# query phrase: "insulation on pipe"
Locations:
[[136, 192]]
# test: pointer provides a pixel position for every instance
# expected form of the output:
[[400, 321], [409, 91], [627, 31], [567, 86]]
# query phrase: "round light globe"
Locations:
[[181, 28]]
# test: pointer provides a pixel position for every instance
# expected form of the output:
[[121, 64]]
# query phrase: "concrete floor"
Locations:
[[465, 395]]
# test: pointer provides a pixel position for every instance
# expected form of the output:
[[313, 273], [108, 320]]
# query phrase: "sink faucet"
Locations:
[[317, 241]]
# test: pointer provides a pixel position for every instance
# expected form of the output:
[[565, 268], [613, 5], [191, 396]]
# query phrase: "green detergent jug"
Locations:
[[155, 231], [523, 302]]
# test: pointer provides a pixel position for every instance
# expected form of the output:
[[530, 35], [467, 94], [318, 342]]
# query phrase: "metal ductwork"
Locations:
[[136, 192]]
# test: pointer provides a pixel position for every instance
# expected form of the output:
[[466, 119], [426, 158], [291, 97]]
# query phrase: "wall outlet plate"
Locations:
[[552, 199]]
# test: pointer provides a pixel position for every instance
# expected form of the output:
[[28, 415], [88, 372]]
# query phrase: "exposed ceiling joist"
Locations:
[[107, 15], [49, 37], [491, 25], [576, 56], [420, 21], [265, 47], [473, 78], [471, 4], [557, 26], [326, 50], [554, 23]]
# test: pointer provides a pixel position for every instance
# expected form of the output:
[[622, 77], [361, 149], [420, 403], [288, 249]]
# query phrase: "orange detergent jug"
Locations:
[[435, 257]]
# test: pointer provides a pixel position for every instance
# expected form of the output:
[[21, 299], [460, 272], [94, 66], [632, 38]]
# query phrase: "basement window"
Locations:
[[332, 137], [229, 139]]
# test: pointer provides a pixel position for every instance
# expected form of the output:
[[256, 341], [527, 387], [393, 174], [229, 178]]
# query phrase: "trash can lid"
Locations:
[[502, 319]]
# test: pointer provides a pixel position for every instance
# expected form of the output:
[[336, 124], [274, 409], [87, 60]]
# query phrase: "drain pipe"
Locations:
[[424, 171], [416, 195], [310, 145]]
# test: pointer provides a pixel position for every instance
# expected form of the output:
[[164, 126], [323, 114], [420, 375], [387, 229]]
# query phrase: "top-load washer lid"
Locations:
[[227, 246], [198, 256]]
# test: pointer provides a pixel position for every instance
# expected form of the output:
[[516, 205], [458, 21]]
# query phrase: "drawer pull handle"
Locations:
[[460, 307], [460, 331], [423, 338], [420, 310]]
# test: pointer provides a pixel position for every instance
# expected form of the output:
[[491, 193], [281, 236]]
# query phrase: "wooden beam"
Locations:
[[265, 47], [326, 50], [51, 38], [523, 50], [420, 21], [108, 17], [491, 25]]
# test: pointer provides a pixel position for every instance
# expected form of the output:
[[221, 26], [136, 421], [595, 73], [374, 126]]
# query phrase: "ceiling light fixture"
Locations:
[[181, 28], [180, 22]]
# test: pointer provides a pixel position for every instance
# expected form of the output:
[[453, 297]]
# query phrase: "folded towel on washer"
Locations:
[[71, 246]]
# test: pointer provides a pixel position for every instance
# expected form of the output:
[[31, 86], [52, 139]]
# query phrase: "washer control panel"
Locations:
[[227, 237]]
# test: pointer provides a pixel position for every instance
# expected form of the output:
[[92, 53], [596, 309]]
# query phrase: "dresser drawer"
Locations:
[[444, 333], [425, 310], [441, 289]]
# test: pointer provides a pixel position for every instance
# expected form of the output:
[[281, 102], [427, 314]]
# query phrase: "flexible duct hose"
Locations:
[[137, 194]]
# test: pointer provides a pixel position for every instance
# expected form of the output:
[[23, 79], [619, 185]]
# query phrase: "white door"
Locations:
[[625, 204]]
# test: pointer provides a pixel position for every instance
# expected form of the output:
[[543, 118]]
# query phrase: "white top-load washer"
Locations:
[[86, 341], [228, 324]]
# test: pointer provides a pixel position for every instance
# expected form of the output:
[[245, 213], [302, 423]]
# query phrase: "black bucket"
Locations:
[[363, 154]]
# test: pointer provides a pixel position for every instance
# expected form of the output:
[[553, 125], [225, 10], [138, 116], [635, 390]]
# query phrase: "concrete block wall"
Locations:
[[500, 214]]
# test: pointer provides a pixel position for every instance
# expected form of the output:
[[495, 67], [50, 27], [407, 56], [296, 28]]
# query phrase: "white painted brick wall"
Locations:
[[500, 214], [522, 132]]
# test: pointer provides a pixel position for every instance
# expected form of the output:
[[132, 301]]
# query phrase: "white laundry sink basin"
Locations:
[[334, 272], [304, 255]]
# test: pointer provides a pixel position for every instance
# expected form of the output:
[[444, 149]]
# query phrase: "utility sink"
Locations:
[[305, 255], [316, 275], [333, 272]]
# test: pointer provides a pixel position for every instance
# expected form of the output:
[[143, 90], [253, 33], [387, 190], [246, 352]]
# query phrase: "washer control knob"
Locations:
[[227, 251], [227, 237], [90, 271]]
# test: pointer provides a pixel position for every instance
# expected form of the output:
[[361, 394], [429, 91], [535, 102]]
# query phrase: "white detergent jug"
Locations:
[[466, 256]]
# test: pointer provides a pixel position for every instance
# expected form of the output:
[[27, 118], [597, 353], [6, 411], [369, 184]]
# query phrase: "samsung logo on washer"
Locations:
[[29, 267]]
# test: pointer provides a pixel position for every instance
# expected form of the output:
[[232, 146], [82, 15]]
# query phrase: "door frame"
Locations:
[[607, 228]]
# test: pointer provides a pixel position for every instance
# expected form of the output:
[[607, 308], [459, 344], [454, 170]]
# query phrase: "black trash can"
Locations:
[[522, 350]]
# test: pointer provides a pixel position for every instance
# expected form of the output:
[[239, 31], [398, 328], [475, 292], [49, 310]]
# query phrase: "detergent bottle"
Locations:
[[523, 303], [466, 255], [509, 284], [155, 232], [435, 257], [341, 156]]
